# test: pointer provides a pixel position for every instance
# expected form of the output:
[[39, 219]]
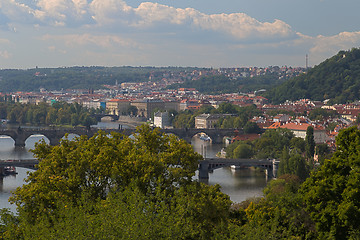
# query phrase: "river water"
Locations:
[[238, 184]]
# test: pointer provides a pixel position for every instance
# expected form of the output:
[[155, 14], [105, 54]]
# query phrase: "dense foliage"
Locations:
[[337, 78], [332, 195], [321, 114], [59, 113], [116, 187]]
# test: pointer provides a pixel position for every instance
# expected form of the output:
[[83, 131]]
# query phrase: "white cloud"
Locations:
[[17, 12], [106, 12], [238, 25], [62, 9], [153, 32], [116, 13], [344, 40]]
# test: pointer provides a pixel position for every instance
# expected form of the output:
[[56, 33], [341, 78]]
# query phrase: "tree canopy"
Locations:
[[337, 78], [117, 187], [59, 113], [94, 77], [141, 184], [332, 193]]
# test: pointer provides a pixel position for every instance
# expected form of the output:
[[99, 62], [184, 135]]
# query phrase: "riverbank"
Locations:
[[130, 122]]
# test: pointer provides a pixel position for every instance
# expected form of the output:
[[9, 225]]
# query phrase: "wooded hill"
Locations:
[[217, 84], [12, 80], [337, 79]]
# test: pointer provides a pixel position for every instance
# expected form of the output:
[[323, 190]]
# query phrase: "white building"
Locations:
[[161, 119], [299, 130]]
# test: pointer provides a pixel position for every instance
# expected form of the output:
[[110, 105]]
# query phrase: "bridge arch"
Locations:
[[7, 142], [217, 135], [33, 138]]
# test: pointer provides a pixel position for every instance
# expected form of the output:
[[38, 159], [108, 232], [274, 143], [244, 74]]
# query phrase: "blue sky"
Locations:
[[203, 33]]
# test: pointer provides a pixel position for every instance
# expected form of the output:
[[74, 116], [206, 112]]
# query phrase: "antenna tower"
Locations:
[[307, 61]]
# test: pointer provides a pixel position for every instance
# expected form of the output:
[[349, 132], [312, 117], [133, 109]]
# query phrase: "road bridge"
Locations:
[[210, 164], [205, 166], [25, 163], [20, 135]]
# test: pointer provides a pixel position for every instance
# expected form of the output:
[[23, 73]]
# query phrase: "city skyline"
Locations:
[[203, 33]]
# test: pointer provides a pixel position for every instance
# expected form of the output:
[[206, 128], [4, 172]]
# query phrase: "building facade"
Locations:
[[118, 106]]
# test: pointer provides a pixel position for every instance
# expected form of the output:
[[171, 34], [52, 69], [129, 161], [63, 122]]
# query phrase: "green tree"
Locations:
[[116, 187], [332, 195], [310, 142], [279, 215], [102, 163], [272, 143], [184, 119], [132, 111], [227, 108], [243, 151], [297, 144], [251, 127], [321, 114], [298, 166], [284, 167]]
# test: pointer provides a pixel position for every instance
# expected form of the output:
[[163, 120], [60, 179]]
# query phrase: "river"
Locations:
[[238, 184]]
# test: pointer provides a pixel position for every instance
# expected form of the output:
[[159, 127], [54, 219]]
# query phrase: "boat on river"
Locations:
[[235, 167], [9, 171], [205, 138]]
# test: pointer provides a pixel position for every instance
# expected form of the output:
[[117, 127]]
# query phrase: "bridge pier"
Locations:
[[275, 167], [19, 142], [204, 169], [54, 141]]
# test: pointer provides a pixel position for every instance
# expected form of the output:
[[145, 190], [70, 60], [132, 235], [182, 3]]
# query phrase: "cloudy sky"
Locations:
[[203, 33]]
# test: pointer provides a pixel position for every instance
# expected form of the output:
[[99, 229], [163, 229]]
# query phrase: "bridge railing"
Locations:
[[18, 162]]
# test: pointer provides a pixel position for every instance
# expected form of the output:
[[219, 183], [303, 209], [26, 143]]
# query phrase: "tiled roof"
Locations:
[[300, 126]]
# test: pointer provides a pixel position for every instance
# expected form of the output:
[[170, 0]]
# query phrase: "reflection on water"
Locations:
[[238, 184]]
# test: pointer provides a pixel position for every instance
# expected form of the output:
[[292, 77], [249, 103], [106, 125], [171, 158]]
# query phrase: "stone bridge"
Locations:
[[98, 117], [210, 164], [216, 135], [205, 166], [20, 135]]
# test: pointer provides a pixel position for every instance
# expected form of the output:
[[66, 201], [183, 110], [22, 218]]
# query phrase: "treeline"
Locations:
[[217, 84], [59, 113], [12, 80], [337, 79], [238, 117], [116, 187]]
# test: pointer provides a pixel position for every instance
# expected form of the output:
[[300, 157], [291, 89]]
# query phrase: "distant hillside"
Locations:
[[337, 78], [216, 84], [12, 80]]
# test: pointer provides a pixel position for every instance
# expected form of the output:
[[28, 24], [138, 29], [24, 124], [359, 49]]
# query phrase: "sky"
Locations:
[[198, 33]]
